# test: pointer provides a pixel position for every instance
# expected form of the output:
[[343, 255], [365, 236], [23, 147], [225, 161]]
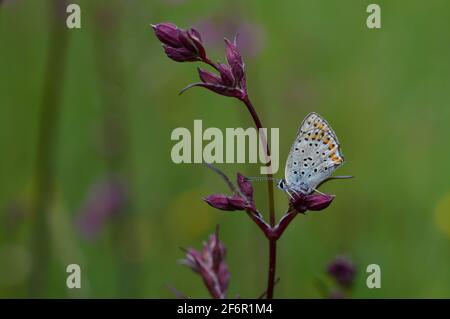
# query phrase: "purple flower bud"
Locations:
[[195, 37], [218, 201], [180, 54], [226, 75], [217, 88], [342, 270], [217, 250], [228, 203], [238, 202], [210, 265], [235, 61], [180, 45], [318, 201], [245, 186], [167, 33], [209, 77], [186, 42], [314, 202]]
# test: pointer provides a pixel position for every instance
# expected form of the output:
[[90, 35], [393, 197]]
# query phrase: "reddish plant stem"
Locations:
[[279, 229], [258, 124], [272, 241], [272, 265], [267, 229]]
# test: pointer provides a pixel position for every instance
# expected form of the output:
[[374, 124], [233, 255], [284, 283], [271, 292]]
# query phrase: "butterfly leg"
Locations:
[[289, 193], [316, 190]]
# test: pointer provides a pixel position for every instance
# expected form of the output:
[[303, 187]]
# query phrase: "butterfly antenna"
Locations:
[[262, 178]]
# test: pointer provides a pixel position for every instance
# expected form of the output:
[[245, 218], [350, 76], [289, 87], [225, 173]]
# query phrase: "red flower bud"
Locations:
[[217, 88], [235, 61], [219, 201], [167, 33], [195, 37], [209, 77], [226, 75], [228, 203], [238, 202], [180, 45], [186, 41], [210, 264], [318, 201], [314, 202], [245, 186], [180, 54]]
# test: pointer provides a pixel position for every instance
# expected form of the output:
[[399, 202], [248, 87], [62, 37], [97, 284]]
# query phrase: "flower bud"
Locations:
[[167, 33], [318, 201], [245, 186], [180, 45], [229, 203], [237, 202], [210, 264], [226, 75], [235, 61], [180, 54], [313, 202], [209, 77], [219, 201], [195, 37]]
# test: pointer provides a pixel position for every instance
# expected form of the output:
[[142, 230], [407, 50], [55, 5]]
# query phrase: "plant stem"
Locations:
[[259, 126], [267, 230], [279, 229], [272, 241], [272, 266]]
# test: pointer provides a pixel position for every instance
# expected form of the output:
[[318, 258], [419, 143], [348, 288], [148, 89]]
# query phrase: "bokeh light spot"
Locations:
[[188, 216], [442, 214]]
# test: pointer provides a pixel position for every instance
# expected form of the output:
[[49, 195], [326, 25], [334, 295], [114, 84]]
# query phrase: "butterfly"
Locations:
[[314, 156]]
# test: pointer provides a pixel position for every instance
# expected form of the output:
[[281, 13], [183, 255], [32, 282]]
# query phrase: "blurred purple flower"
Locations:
[[180, 45], [251, 39], [105, 199], [210, 264], [336, 294], [342, 270], [15, 212]]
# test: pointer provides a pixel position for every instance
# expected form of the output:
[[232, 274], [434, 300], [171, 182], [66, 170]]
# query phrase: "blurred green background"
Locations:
[[85, 121]]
